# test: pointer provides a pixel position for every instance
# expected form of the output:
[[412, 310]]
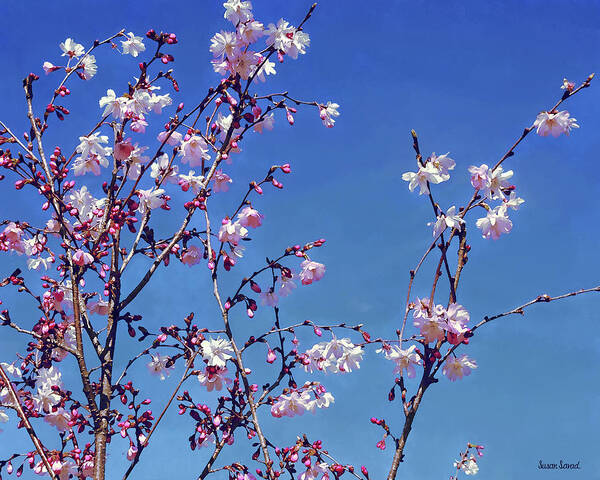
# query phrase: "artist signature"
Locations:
[[559, 466]]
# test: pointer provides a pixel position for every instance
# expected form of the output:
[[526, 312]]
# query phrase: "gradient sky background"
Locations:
[[468, 76]]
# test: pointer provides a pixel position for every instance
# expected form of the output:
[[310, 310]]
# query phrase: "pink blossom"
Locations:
[[480, 177], [192, 255], [554, 123], [456, 318], [132, 452], [495, 223], [11, 238], [311, 272], [296, 403], [459, 367], [158, 365], [269, 298], [431, 327], [194, 150], [139, 124], [213, 378], [123, 150], [328, 113], [173, 140], [82, 258], [249, 217], [232, 232], [404, 359], [221, 181]]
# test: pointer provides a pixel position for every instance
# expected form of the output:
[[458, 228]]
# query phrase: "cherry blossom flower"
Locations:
[[425, 174], [11, 370], [296, 403], [213, 378], [431, 327], [269, 298], [480, 177], [456, 319], [149, 199], [99, 307], [335, 356], [495, 223], [328, 113], [238, 11], [404, 359], [89, 66], [174, 139], [442, 163], [286, 285], [45, 397], [68, 340], [49, 67], [122, 150], [158, 365], [131, 452], [93, 154], [71, 49], [554, 123], [133, 45], [300, 41], [224, 44], [82, 258], [268, 122], [458, 367], [498, 180], [311, 272], [341, 355], [220, 181], [39, 263], [158, 102], [249, 217], [113, 105], [216, 351], [316, 471], [135, 161], [568, 86], [265, 68], [224, 124], [280, 35], [245, 63], [468, 465], [11, 238], [232, 232], [195, 182], [160, 169], [59, 419], [193, 150], [192, 255], [450, 219], [323, 399], [251, 31], [513, 201]]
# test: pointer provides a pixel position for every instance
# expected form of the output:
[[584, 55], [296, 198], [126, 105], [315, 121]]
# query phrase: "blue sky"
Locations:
[[468, 77]]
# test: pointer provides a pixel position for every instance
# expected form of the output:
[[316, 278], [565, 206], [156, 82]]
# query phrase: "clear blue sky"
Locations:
[[468, 76]]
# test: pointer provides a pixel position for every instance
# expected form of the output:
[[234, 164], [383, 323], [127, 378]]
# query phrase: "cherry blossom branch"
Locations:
[[544, 298], [184, 377], [207, 468], [34, 438], [238, 360]]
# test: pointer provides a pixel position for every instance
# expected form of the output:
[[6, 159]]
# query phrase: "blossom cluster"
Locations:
[[306, 399], [335, 356]]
